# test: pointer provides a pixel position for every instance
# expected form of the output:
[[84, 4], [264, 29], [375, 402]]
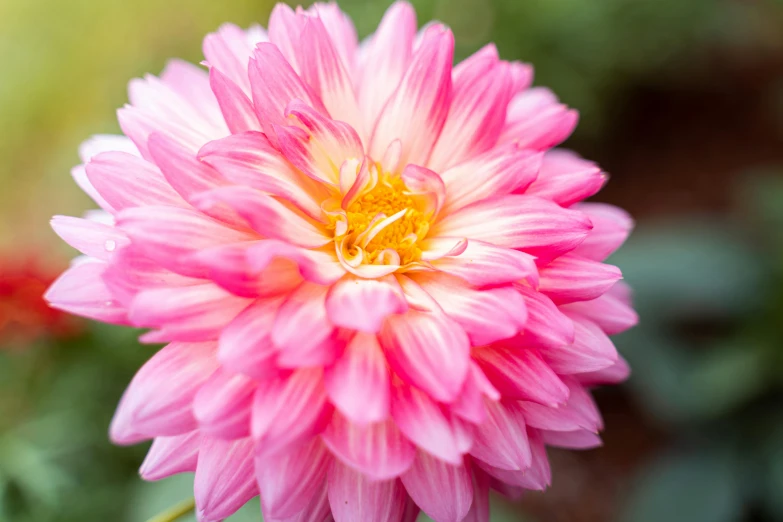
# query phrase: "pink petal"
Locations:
[[501, 440], [322, 67], [192, 84], [423, 422], [250, 159], [93, 239], [303, 331], [158, 401], [285, 31], [167, 234], [224, 479], [470, 405], [80, 290], [386, 57], [124, 180], [317, 510], [315, 266], [275, 84], [429, 350], [320, 146], [189, 313], [363, 304], [615, 374], [441, 490], [611, 226], [572, 278], [236, 107], [484, 264], [288, 410], [79, 175], [171, 455], [579, 412], [479, 510], [498, 172], [222, 405], [613, 313], [417, 110], [267, 215], [565, 178], [482, 92], [289, 480], [536, 120], [520, 373], [341, 30], [354, 498], [486, 316], [229, 50], [245, 345], [591, 350], [546, 325], [229, 267], [427, 185], [578, 439], [379, 451], [358, 382], [99, 143], [537, 477], [533, 225]]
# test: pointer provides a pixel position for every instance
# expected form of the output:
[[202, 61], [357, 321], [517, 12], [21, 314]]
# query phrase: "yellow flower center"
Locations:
[[386, 218]]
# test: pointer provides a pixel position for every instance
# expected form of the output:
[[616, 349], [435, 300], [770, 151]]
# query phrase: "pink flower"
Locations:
[[380, 290]]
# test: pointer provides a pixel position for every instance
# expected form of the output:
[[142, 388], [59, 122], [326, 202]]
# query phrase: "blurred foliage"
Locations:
[[707, 357]]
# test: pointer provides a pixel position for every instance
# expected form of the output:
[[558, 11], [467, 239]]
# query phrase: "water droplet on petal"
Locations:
[[110, 245]]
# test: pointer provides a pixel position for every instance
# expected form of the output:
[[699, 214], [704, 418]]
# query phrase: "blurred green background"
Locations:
[[681, 101]]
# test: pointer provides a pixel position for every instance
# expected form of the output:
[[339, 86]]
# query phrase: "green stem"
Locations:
[[175, 512]]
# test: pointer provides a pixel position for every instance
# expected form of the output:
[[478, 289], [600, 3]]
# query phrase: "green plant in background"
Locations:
[[708, 361]]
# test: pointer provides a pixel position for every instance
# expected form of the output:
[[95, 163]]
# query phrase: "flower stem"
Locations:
[[175, 512]]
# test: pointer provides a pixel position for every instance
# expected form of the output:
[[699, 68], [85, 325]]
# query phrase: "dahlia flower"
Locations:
[[380, 290]]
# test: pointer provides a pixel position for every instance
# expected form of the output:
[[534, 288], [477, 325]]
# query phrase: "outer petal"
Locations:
[[520, 373], [537, 477], [580, 412], [611, 226], [470, 403], [417, 110], [484, 264], [288, 410], [378, 451], [236, 107], [429, 350], [482, 91], [222, 405], [229, 50], [224, 478], [536, 120], [565, 178], [422, 421], [171, 455], [91, 238], [546, 325], [363, 304], [245, 345], [572, 278], [354, 498], [479, 510], [289, 480], [501, 441], [80, 290], [614, 374], [158, 399], [358, 382], [441, 490], [534, 225], [386, 57], [499, 172], [578, 439], [591, 350]]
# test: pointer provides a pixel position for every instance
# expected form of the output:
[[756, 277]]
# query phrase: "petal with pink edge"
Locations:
[[236, 107], [222, 405], [611, 226], [536, 120], [537, 477], [316, 266], [429, 350], [591, 350], [358, 382], [484, 264], [578, 413], [158, 401], [565, 178], [355, 498], [501, 440], [442, 490], [291, 479], [546, 325], [479, 510], [245, 345], [572, 278], [364, 304], [91, 238], [470, 403], [379, 451], [417, 110], [229, 50], [80, 290], [613, 311], [171, 455], [224, 479], [578, 439]]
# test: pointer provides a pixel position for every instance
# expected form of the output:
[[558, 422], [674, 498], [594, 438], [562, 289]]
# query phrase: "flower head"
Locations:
[[380, 290]]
